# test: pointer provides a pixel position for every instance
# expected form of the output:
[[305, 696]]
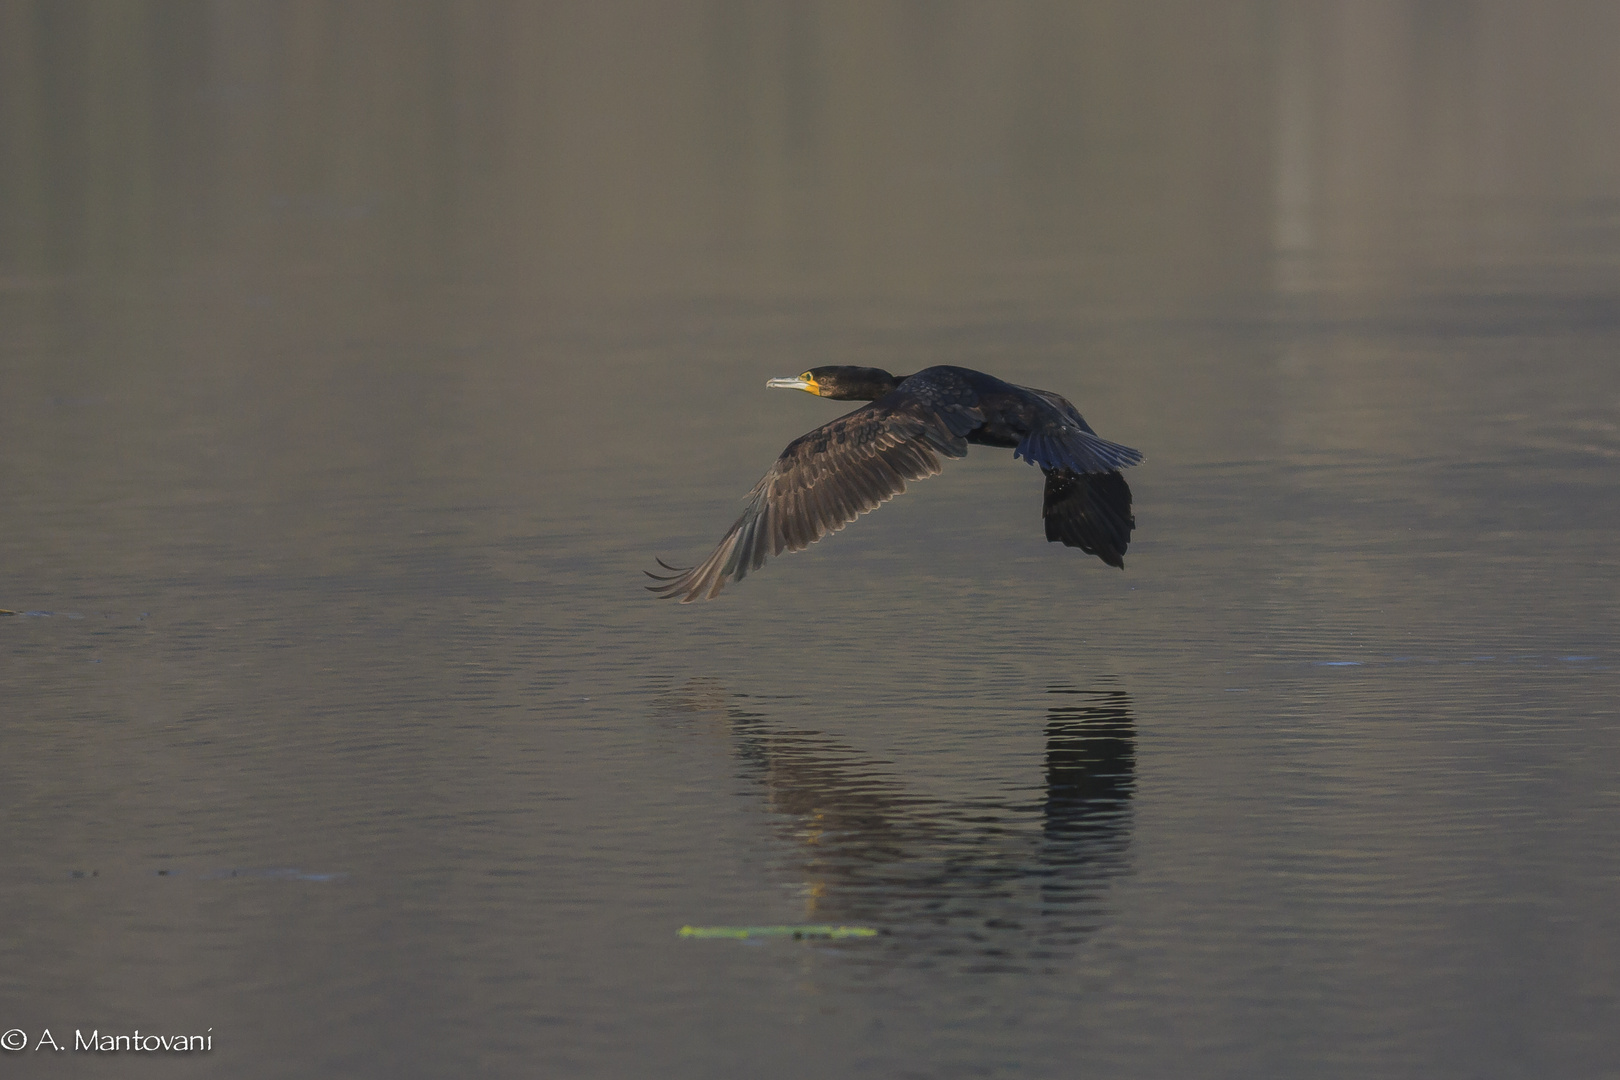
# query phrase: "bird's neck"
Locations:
[[874, 388]]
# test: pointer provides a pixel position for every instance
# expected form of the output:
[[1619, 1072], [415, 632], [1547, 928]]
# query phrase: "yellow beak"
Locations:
[[809, 386]]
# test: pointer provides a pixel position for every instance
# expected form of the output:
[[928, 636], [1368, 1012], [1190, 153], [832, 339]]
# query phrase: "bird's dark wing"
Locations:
[[1089, 511], [1062, 405], [823, 481]]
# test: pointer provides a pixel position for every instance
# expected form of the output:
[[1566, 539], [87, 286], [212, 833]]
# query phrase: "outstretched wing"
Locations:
[[1089, 511], [823, 481]]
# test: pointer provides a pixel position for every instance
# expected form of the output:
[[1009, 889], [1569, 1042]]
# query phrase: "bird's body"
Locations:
[[849, 466]]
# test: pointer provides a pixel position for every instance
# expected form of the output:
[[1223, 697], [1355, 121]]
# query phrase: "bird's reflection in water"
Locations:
[[1003, 883]]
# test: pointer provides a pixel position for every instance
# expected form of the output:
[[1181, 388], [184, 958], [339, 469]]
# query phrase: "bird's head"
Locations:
[[842, 382]]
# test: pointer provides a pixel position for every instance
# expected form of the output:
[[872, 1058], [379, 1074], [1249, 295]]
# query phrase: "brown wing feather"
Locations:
[[1089, 511], [823, 481]]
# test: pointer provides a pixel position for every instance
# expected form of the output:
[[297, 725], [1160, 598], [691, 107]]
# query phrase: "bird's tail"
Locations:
[[1075, 450]]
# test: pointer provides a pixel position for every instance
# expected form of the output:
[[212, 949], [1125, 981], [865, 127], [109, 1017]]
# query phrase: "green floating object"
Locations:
[[813, 930]]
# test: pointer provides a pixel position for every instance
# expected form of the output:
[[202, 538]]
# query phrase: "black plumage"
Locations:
[[828, 477]]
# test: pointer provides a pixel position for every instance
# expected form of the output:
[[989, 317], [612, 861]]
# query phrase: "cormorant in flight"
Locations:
[[827, 478]]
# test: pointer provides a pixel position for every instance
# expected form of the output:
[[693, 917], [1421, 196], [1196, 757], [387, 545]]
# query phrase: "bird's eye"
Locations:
[[806, 377]]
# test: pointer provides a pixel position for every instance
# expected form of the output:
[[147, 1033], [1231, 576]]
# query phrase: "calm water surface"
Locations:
[[355, 363]]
